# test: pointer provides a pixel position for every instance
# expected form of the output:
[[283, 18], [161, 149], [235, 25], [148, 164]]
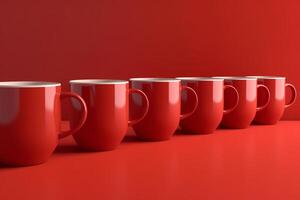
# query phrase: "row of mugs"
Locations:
[[30, 112]]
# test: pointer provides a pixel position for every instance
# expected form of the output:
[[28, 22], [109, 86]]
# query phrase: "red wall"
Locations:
[[60, 40]]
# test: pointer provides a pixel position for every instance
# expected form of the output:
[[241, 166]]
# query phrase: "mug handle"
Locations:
[[183, 87], [83, 114], [229, 110], [268, 101], [134, 121], [294, 93]]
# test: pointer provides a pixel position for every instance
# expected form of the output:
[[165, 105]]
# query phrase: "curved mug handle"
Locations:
[[269, 97], [183, 87], [229, 110], [83, 113], [134, 121], [294, 95]]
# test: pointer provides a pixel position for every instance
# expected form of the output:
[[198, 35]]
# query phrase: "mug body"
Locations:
[[107, 119], [163, 115], [244, 113], [209, 112], [30, 117], [274, 111]]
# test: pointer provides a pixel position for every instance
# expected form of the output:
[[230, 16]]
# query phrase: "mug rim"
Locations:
[[199, 79], [97, 81], [28, 84], [159, 80], [268, 77], [235, 77]]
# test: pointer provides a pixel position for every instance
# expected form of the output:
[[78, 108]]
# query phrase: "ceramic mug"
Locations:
[[210, 110], [108, 118], [163, 118], [30, 121], [274, 111], [244, 113]]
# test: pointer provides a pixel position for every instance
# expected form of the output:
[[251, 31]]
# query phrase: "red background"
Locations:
[[61, 40]]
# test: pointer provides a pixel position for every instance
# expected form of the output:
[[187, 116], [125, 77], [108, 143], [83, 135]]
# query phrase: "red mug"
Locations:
[[108, 105], [210, 110], [163, 118], [274, 111], [30, 121], [244, 113]]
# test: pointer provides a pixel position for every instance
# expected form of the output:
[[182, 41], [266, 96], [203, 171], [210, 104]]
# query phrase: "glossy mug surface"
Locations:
[[164, 114], [275, 109], [210, 110], [30, 121], [244, 113], [108, 112]]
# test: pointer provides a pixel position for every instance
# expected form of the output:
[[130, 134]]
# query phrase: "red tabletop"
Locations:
[[262, 162]]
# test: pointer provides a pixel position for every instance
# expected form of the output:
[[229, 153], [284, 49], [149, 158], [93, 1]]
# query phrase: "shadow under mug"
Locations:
[[30, 121], [163, 117], [242, 116], [275, 109], [108, 118], [210, 110]]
